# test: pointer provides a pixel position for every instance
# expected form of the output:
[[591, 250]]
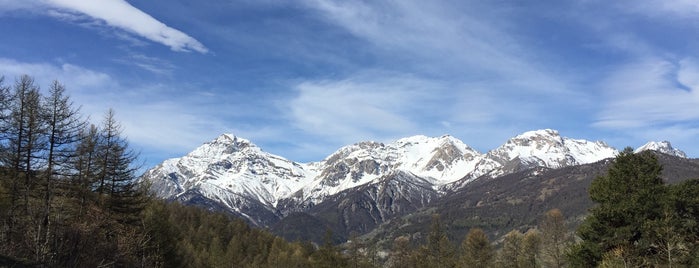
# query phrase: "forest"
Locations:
[[70, 197]]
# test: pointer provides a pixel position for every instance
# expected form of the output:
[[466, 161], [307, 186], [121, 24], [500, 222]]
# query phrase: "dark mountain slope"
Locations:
[[519, 200]]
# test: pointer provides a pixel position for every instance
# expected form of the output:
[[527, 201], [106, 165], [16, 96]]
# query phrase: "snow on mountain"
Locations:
[[440, 160], [238, 175], [230, 165], [547, 148], [662, 147], [539, 148]]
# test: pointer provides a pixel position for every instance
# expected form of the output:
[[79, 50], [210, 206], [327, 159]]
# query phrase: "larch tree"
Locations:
[[22, 142], [118, 185], [400, 253], [531, 245], [63, 126], [511, 250], [476, 250], [555, 239]]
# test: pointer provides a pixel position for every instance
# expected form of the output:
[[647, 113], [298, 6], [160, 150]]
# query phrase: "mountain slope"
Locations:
[[518, 200], [358, 187], [233, 173]]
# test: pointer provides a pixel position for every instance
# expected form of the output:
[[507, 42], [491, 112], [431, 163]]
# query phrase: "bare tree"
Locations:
[[554, 238], [63, 126]]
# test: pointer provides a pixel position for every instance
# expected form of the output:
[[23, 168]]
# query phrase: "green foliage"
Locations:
[[439, 250], [69, 197], [638, 220]]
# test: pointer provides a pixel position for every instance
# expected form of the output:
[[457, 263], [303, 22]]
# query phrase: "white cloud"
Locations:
[[665, 9], [443, 39], [44, 73], [359, 108], [651, 93], [151, 64], [153, 120], [115, 13]]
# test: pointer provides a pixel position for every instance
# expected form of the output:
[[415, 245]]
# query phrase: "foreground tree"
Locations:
[[118, 186], [531, 244], [511, 250], [21, 155], [63, 127], [554, 234], [476, 250], [629, 196]]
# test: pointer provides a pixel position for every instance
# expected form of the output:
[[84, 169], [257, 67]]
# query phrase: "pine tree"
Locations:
[[677, 232], [86, 165], [440, 251], [626, 198]]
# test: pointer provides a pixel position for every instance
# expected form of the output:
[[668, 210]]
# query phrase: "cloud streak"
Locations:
[[651, 92], [120, 14]]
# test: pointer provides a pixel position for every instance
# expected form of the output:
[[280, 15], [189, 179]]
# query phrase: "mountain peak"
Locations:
[[539, 133], [547, 148], [231, 139], [662, 147]]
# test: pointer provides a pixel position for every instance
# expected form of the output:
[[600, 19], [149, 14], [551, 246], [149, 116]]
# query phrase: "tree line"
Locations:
[[67, 188], [70, 197], [638, 220], [537, 247]]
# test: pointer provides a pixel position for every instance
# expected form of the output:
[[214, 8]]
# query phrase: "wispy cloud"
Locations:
[[115, 13], [153, 119], [442, 39], [359, 108], [151, 64], [651, 92]]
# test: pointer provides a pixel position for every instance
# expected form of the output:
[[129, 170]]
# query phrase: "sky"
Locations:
[[303, 78]]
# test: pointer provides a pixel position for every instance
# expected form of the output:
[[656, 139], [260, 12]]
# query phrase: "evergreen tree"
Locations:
[[677, 232], [440, 251], [629, 196]]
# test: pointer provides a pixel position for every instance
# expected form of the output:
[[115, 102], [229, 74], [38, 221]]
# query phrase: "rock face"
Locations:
[[359, 186], [661, 147]]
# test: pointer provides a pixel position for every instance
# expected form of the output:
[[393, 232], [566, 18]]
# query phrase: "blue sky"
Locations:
[[303, 78]]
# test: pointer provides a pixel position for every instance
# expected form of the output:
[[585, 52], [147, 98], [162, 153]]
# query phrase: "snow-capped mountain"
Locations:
[[233, 174], [438, 160], [540, 148], [546, 148], [662, 147]]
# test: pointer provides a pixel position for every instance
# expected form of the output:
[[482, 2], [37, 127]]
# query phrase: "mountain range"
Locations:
[[360, 186]]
